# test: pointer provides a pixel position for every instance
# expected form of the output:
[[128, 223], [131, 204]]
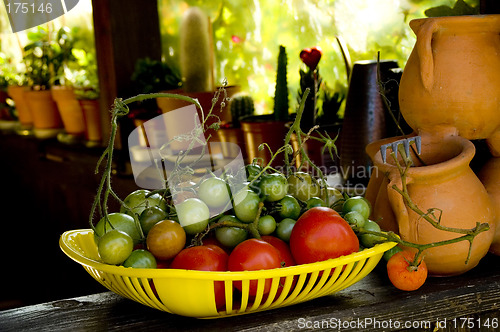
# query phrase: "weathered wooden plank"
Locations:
[[372, 304]]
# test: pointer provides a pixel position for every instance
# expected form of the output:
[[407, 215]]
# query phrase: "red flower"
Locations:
[[311, 56]]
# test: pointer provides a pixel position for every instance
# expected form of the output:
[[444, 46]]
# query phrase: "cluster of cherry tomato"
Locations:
[[272, 221]]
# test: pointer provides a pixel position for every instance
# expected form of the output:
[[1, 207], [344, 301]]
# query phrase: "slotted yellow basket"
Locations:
[[191, 293]]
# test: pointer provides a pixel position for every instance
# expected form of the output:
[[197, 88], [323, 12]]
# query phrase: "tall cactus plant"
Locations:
[[196, 53], [281, 92]]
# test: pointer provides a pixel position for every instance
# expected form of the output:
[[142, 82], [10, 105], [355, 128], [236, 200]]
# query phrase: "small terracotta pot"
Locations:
[[70, 109], [92, 118], [44, 109], [17, 93], [258, 129], [446, 183], [232, 142]]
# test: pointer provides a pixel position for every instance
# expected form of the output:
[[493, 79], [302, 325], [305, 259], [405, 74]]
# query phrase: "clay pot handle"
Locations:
[[398, 205], [424, 48]]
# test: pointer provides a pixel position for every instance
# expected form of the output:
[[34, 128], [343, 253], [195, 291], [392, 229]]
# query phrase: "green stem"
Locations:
[[105, 190]]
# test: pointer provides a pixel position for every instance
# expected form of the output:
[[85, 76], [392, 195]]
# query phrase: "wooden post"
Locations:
[[125, 31]]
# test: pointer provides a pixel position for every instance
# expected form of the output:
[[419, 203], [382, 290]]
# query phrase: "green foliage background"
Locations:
[[247, 35]]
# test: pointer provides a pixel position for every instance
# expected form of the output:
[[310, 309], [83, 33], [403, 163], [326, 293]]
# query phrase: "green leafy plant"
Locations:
[[63, 56], [49, 59], [154, 76], [37, 59], [85, 79], [460, 8]]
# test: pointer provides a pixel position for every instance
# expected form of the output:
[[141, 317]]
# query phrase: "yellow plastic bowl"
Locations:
[[191, 293]]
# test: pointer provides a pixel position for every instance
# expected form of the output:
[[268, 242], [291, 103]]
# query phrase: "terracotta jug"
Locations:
[[451, 80], [447, 183]]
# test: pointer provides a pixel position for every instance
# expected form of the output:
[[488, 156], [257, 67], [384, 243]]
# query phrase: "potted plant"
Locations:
[[8, 116], [322, 109], [64, 63], [38, 56], [269, 128], [197, 69], [86, 89]]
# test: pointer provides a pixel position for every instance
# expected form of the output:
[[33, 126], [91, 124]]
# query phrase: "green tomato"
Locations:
[[120, 221], [267, 225], [369, 240], [115, 247], [246, 205], [357, 203], [334, 196], [313, 202], [284, 229], [355, 219], [273, 187], [150, 216], [252, 171], [140, 259], [230, 236], [302, 186], [137, 201], [289, 207], [193, 215], [214, 192]]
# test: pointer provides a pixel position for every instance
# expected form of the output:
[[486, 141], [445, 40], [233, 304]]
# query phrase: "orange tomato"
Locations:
[[166, 239], [402, 275]]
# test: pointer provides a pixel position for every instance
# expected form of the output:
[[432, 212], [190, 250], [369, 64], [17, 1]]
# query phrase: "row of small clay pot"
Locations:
[[47, 112]]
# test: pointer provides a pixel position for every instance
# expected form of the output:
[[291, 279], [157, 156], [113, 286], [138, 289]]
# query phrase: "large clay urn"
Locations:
[[451, 81], [445, 183]]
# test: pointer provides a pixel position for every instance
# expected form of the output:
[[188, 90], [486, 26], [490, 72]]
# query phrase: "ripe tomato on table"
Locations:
[[320, 234], [251, 255], [402, 275]]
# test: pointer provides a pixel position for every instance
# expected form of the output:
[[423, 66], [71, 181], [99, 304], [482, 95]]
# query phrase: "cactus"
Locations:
[[242, 104], [196, 52], [281, 92]]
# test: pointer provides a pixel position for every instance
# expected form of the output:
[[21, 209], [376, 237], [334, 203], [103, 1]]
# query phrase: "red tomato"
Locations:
[[252, 255], [212, 241], [163, 264], [403, 277], [320, 234], [286, 258], [204, 258]]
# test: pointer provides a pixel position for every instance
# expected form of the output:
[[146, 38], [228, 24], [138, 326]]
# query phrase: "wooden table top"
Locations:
[[470, 301]]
